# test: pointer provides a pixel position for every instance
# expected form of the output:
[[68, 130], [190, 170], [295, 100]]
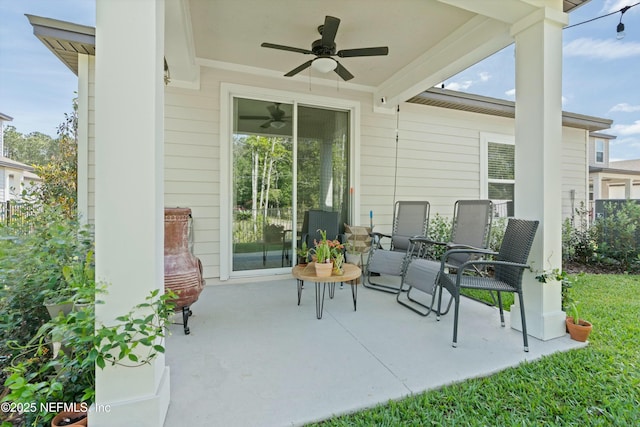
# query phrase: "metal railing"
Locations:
[[13, 212], [259, 225]]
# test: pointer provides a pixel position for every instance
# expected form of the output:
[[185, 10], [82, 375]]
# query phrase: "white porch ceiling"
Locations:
[[428, 40]]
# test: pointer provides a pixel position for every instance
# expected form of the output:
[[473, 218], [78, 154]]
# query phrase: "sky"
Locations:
[[601, 75]]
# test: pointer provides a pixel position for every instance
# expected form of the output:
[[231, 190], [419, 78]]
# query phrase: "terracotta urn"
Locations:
[[182, 270]]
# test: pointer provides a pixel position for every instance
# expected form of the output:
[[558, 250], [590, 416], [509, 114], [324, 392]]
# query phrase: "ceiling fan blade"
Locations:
[[329, 30], [365, 51], [254, 118], [288, 48], [266, 124], [273, 110], [298, 69], [342, 72]]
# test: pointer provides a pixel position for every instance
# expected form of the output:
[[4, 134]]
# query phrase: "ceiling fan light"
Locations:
[[277, 124], [324, 64]]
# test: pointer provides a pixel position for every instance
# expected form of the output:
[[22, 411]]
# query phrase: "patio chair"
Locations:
[[509, 265], [410, 219], [315, 220], [272, 234], [470, 228]]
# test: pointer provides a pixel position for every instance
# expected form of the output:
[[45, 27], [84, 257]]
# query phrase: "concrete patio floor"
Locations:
[[256, 358]]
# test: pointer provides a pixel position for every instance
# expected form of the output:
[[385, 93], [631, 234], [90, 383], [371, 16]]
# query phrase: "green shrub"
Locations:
[[498, 227], [439, 231], [578, 240], [618, 235], [31, 266]]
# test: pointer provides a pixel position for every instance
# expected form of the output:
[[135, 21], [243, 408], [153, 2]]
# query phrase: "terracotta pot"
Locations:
[[182, 270], [323, 269], [579, 332], [69, 419]]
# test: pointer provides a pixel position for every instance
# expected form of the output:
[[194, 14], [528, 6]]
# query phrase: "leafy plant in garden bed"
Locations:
[[58, 364], [31, 268]]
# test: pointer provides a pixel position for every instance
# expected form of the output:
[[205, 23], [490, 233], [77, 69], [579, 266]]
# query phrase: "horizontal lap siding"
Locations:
[[438, 158], [191, 171], [574, 169]]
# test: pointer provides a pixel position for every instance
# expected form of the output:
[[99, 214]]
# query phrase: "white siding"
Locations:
[[438, 155]]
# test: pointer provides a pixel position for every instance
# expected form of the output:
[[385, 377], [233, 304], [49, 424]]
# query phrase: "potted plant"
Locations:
[[338, 261], [303, 254], [351, 255], [322, 251], [579, 329]]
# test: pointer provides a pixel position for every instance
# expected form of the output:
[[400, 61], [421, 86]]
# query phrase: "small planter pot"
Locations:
[[69, 419], [354, 258], [579, 332], [55, 308], [324, 269]]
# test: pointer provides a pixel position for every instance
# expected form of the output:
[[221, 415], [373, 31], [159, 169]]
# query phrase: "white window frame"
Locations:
[[485, 139]]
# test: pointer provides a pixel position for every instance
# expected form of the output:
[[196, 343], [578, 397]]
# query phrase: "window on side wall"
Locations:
[[498, 172], [599, 150]]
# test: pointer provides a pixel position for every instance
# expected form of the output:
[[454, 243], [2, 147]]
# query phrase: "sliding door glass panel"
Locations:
[[322, 162], [262, 184]]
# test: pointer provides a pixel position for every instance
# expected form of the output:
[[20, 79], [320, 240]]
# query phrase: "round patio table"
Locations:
[[308, 273]]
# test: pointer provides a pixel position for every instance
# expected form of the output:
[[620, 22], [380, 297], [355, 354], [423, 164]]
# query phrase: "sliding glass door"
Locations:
[[269, 198]]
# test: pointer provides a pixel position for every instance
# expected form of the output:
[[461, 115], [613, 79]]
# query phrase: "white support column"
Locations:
[[628, 184], [538, 163], [597, 187], [83, 137], [129, 196]]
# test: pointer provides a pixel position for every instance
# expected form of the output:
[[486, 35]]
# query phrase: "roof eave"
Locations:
[[454, 100], [64, 39]]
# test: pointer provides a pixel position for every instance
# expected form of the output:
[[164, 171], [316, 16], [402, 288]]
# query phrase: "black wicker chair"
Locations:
[[508, 267]]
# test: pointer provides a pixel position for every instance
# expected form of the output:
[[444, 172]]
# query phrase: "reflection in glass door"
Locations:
[[322, 162], [264, 236]]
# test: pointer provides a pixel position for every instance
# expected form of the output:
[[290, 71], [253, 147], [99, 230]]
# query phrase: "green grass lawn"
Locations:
[[595, 386]]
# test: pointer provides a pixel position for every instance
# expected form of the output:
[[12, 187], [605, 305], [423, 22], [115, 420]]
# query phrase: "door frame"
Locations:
[[230, 90]]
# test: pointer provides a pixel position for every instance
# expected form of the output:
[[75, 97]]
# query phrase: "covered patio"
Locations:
[[254, 357], [252, 350]]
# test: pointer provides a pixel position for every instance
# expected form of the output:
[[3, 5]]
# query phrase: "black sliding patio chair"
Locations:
[[509, 266], [470, 229], [410, 219]]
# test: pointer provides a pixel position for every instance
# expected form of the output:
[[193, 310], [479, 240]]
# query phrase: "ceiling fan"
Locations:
[[277, 117], [325, 48]]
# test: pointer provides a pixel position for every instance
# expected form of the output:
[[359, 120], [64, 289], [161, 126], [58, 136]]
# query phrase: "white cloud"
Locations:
[[511, 93], [633, 129], [601, 49], [459, 85], [484, 76], [625, 108], [615, 5]]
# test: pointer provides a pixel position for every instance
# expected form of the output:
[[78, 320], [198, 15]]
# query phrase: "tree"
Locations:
[[33, 149], [60, 173]]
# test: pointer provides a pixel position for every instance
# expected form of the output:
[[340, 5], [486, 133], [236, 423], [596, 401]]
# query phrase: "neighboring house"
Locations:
[[178, 143], [3, 118], [15, 176], [611, 179]]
